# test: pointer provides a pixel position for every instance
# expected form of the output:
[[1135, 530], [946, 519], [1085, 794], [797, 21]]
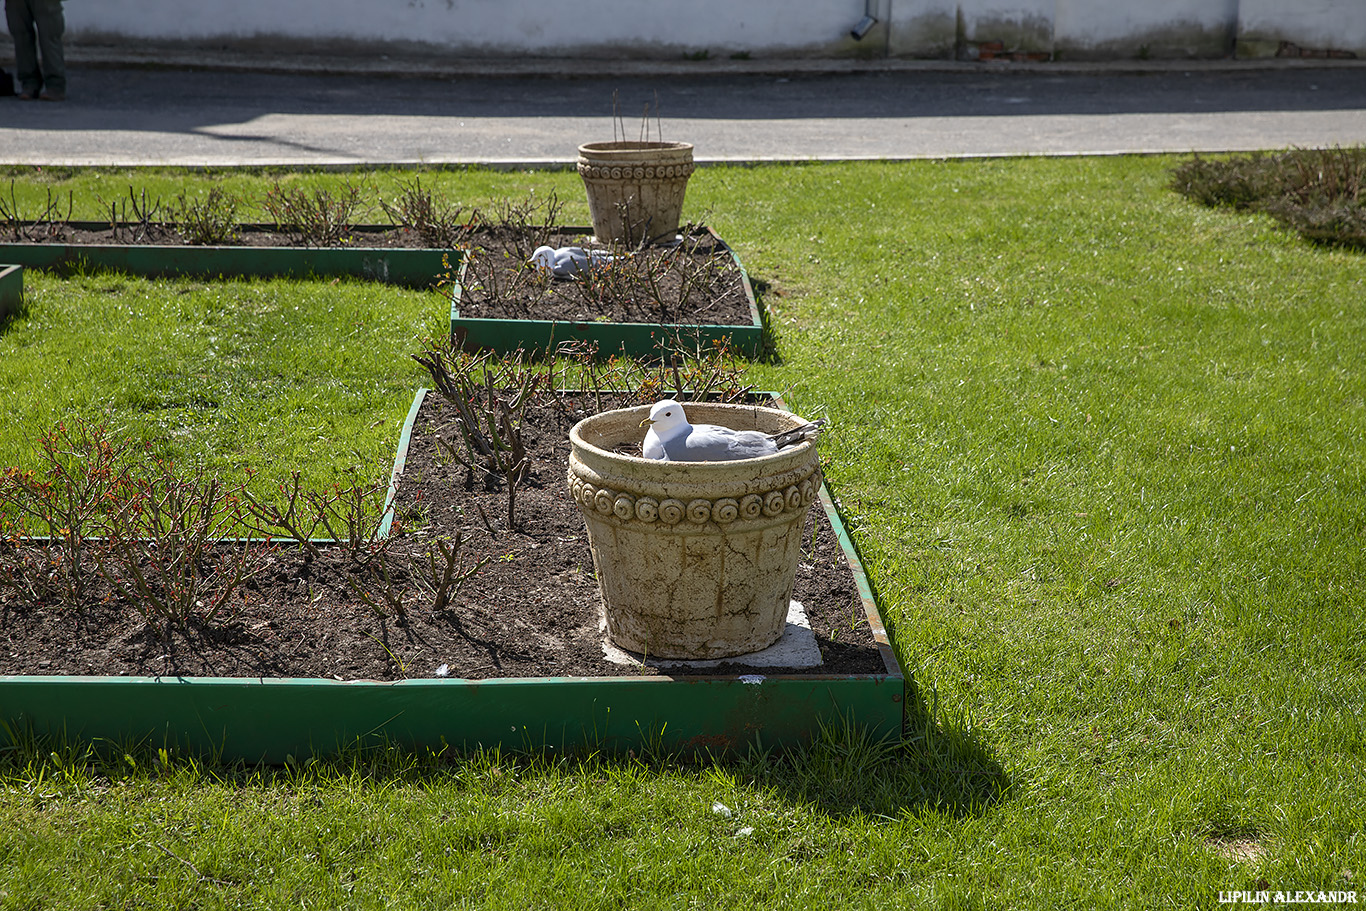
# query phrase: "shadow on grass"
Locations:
[[938, 766], [768, 345]]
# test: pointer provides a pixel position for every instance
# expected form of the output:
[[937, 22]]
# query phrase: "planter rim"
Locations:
[[619, 147], [577, 438]]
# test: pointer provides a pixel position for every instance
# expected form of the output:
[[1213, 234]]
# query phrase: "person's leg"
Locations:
[[47, 14], [19, 18]]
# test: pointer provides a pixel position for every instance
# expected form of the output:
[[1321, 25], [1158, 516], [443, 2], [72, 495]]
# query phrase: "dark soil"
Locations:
[[695, 281], [531, 611]]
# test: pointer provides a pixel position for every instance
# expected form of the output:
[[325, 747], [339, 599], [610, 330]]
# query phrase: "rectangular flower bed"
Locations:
[[263, 718], [641, 332], [417, 267]]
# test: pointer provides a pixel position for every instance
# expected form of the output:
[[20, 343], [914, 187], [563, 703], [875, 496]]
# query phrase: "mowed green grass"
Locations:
[[227, 375], [1101, 450]]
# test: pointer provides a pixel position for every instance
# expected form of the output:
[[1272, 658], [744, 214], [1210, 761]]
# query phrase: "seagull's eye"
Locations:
[[668, 414]]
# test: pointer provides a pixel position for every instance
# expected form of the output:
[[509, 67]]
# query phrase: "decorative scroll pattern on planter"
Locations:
[[628, 507], [638, 172]]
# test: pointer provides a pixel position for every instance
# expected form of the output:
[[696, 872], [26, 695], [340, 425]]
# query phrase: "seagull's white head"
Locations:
[[665, 417], [543, 257]]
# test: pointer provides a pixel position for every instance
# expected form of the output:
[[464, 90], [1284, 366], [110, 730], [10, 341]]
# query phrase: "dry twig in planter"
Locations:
[[490, 425]]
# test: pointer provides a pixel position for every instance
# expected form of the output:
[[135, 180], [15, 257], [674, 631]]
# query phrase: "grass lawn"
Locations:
[[266, 374], [1101, 450]]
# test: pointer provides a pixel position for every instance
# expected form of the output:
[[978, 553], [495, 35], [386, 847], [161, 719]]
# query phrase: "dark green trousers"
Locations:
[[37, 27]]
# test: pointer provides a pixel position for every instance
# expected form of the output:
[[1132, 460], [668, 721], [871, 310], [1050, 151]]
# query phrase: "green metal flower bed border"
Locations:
[[271, 720], [11, 290], [411, 267], [631, 339]]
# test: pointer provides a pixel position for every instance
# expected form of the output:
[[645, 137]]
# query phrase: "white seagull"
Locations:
[[672, 439], [566, 262]]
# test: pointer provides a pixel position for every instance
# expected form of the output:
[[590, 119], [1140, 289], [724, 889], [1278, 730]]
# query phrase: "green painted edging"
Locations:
[[417, 268], [400, 459], [631, 339], [11, 290], [269, 720]]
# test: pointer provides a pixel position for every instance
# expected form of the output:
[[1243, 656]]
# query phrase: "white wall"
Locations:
[[1156, 28], [1025, 26], [1336, 25], [506, 27], [653, 29]]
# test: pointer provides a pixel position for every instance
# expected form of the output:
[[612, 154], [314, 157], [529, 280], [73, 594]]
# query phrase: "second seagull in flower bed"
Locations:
[[566, 262], [672, 439]]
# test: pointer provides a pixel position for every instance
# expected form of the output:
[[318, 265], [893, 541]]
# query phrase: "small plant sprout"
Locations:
[[440, 571]]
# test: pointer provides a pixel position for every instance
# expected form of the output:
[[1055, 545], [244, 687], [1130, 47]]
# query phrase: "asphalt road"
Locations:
[[223, 117]]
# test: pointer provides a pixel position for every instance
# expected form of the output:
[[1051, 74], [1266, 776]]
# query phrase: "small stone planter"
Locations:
[[695, 560], [635, 189]]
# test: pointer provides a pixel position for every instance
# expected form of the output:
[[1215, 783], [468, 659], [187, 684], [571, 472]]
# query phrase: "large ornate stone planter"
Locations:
[[635, 189], [695, 560]]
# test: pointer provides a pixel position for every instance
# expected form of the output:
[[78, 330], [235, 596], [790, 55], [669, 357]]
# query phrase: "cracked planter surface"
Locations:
[[695, 560]]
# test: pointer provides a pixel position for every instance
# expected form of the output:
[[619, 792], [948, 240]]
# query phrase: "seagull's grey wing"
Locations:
[[709, 443]]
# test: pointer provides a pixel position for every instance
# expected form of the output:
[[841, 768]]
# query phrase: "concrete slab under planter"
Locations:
[[797, 647], [631, 339], [270, 720], [411, 267]]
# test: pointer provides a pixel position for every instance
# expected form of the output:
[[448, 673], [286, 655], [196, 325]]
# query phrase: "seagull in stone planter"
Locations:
[[566, 262], [672, 439]]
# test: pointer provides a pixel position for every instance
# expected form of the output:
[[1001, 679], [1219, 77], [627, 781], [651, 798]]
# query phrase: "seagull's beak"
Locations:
[[646, 421]]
